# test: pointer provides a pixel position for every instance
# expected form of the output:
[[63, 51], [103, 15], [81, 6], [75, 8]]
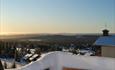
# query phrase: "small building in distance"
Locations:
[[107, 43]]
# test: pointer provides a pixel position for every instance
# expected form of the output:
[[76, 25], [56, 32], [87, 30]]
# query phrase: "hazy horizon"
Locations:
[[56, 16]]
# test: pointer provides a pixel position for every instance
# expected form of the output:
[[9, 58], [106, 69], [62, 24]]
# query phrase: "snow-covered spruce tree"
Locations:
[[5, 65], [1, 66], [13, 65]]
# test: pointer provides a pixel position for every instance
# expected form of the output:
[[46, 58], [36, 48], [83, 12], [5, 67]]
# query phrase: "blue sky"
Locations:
[[57, 16]]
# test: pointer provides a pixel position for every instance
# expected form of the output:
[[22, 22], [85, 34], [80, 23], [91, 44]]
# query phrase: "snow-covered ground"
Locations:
[[59, 60]]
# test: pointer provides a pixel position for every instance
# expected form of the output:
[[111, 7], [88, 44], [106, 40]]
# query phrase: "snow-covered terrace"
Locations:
[[59, 60]]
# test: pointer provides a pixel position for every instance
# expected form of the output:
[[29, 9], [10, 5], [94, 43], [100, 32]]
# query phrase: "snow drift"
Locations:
[[59, 60]]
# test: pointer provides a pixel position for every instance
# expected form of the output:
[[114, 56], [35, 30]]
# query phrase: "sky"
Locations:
[[56, 16]]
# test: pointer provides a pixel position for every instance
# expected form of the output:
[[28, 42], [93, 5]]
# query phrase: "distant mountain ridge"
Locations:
[[47, 36]]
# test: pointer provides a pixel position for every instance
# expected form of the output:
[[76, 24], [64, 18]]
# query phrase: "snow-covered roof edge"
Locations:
[[105, 41]]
